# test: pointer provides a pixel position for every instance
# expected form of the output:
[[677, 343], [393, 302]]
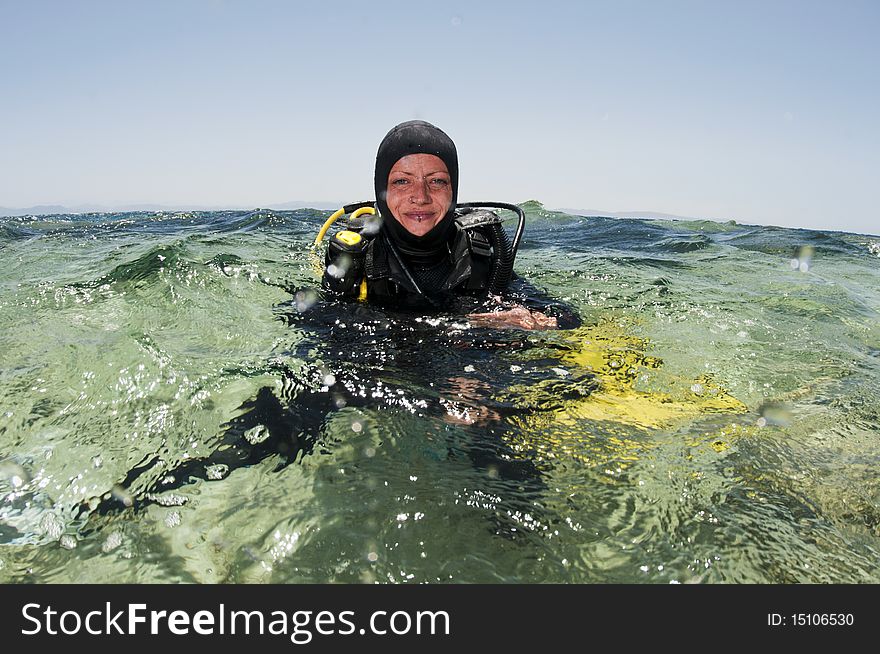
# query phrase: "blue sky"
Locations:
[[759, 112]]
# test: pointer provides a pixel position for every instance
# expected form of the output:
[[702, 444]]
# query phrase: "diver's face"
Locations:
[[419, 192]]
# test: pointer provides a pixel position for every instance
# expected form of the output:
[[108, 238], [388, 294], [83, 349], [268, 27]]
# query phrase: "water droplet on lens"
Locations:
[[305, 300], [120, 494], [339, 267], [372, 225], [775, 414], [13, 473], [803, 259]]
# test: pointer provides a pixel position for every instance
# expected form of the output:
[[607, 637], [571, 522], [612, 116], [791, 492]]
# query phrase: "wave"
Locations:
[[782, 240], [147, 265]]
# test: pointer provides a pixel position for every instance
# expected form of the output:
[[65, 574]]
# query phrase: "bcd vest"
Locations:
[[370, 266]]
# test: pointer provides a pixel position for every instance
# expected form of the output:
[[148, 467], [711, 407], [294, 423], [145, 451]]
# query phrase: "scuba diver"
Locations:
[[415, 250], [420, 249]]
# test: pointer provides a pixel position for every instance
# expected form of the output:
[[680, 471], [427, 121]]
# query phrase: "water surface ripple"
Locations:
[[180, 405]]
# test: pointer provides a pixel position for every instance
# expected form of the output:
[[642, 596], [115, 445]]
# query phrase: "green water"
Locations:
[[126, 336]]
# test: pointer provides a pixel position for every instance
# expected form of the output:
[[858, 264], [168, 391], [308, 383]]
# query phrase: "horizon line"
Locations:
[[292, 205]]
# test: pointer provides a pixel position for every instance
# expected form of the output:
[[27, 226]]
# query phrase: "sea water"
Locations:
[[715, 418]]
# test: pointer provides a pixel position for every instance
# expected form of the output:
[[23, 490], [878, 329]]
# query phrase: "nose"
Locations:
[[420, 193]]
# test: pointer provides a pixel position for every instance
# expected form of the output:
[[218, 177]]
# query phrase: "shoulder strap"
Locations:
[[470, 218]]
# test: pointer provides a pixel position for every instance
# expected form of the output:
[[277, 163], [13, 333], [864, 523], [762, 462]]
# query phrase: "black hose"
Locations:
[[502, 270], [505, 251], [517, 236], [351, 208]]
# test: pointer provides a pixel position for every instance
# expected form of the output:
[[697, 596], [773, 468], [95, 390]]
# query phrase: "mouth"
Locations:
[[419, 216]]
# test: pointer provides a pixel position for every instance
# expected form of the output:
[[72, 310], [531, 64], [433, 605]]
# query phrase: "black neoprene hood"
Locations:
[[413, 137]]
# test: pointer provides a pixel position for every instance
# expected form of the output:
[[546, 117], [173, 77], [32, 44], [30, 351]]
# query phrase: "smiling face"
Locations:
[[419, 192]]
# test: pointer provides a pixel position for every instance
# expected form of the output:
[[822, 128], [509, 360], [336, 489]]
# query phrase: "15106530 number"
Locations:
[[810, 620]]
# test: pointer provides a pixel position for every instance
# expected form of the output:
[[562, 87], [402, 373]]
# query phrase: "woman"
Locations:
[[424, 252]]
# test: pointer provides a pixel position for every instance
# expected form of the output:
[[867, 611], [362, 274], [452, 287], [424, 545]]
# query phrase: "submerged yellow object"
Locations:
[[610, 364]]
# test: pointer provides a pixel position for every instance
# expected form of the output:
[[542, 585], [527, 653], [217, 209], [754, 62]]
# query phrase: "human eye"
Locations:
[[439, 182], [400, 181]]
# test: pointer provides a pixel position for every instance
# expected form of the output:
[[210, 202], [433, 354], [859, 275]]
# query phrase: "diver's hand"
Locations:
[[519, 317], [463, 402]]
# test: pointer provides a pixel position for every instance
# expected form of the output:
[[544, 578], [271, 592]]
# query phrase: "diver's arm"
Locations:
[[518, 317], [524, 306], [522, 291]]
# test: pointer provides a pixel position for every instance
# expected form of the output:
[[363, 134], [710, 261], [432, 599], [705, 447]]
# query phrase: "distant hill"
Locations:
[[40, 210], [299, 204], [630, 214], [49, 209]]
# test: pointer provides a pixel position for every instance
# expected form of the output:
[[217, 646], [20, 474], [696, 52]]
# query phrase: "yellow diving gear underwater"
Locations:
[[607, 380]]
